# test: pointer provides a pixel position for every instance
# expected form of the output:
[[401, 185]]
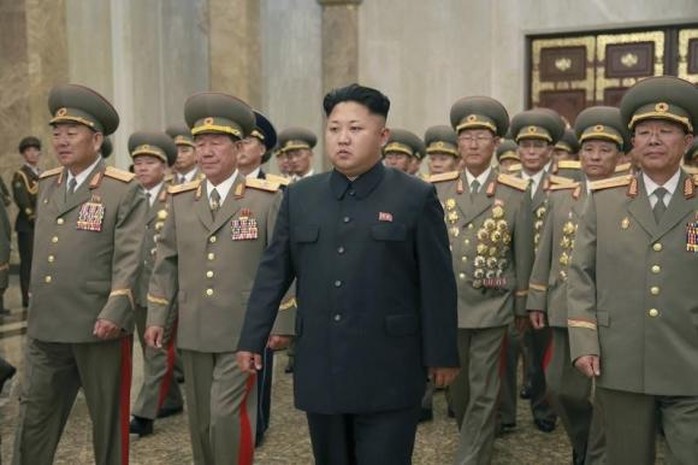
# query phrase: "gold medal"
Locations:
[[625, 223], [450, 204], [497, 212]]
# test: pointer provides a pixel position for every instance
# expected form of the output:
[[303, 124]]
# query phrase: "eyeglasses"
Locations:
[[479, 139]]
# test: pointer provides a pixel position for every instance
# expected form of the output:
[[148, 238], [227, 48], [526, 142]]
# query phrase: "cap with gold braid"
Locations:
[[181, 134], [602, 123], [568, 142], [662, 97], [218, 113], [107, 147], [73, 103], [155, 144], [441, 139], [507, 150], [540, 123], [404, 141], [479, 113], [296, 138], [264, 131]]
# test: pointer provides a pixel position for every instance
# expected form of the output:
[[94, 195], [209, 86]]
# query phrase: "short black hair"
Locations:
[[29, 141], [373, 99]]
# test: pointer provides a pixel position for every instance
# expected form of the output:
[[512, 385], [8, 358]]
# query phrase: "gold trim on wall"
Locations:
[[538, 86], [602, 83], [685, 36]]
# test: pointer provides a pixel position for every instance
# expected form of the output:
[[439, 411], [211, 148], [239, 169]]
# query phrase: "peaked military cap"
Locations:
[[264, 131], [540, 123], [154, 144], [479, 113], [218, 113], [661, 97], [601, 122], [404, 141], [568, 142], [441, 139], [107, 147], [507, 150], [181, 134], [29, 141], [73, 103], [296, 138]]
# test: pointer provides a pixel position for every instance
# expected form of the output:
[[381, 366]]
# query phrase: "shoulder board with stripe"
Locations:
[[618, 181], [448, 176], [116, 173], [559, 187], [279, 179], [622, 167], [690, 169], [569, 164], [51, 172], [187, 186], [514, 167], [560, 179], [262, 184], [512, 181]]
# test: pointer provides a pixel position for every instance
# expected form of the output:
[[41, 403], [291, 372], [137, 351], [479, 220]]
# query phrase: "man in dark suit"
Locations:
[[25, 185], [375, 288]]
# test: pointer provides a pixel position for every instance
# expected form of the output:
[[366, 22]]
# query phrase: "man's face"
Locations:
[[507, 163], [186, 159], [561, 154], [476, 147], [398, 160], [659, 146], [250, 154], [76, 146], [217, 155], [441, 163], [31, 155], [283, 163], [534, 154], [299, 160], [354, 137], [415, 163], [149, 170], [598, 158]]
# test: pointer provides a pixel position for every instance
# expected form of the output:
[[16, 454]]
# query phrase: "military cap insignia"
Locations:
[[62, 111], [244, 227], [661, 107], [91, 215], [208, 120]]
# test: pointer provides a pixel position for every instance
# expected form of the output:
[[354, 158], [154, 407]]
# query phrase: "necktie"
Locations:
[[214, 202], [71, 188], [474, 187], [182, 180], [149, 198], [659, 207]]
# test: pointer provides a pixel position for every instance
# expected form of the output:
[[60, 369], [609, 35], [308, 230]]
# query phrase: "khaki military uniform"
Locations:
[[491, 237], [25, 186], [208, 267], [86, 261]]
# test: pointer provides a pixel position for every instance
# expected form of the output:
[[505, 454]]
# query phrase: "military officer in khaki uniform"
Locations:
[[185, 168], [632, 290], [567, 147], [159, 395], [441, 149], [297, 146], [208, 251], [401, 148], [691, 157], [488, 216], [603, 137], [86, 260], [507, 156]]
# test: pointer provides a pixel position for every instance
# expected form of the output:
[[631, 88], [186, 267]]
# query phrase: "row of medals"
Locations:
[[569, 231], [494, 240]]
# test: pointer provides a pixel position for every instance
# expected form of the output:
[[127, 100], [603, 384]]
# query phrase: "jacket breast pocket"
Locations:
[[306, 234], [389, 232], [401, 325]]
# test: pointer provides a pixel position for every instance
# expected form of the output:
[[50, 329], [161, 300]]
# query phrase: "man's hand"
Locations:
[[442, 377], [278, 342], [589, 365], [522, 324], [537, 319], [105, 329], [153, 336], [248, 362]]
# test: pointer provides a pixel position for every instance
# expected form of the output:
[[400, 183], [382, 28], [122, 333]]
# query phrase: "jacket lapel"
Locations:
[[231, 204], [678, 208], [480, 202], [639, 207], [201, 206], [81, 195]]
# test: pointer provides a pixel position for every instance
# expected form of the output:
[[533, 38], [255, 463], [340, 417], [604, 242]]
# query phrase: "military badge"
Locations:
[[625, 223], [452, 217], [569, 231], [244, 228], [492, 248], [91, 215], [692, 237]]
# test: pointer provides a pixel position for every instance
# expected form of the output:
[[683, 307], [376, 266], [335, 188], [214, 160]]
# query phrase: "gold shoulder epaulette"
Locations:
[[617, 181], [280, 179], [187, 186], [116, 173], [51, 172], [514, 167], [690, 169], [569, 164], [262, 184], [512, 181], [448, 176], [169, 178], [568, 185], [622, 167], [554, 179]]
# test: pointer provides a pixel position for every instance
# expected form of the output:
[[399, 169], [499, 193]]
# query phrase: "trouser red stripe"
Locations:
[[548, 355], [125, 396], [167, 379], [246, 451]]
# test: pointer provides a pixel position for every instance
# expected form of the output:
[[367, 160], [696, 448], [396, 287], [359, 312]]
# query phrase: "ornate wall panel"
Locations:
[[688, 54]]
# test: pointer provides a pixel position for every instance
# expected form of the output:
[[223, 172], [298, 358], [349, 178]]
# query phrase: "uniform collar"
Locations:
[[361, 186]]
